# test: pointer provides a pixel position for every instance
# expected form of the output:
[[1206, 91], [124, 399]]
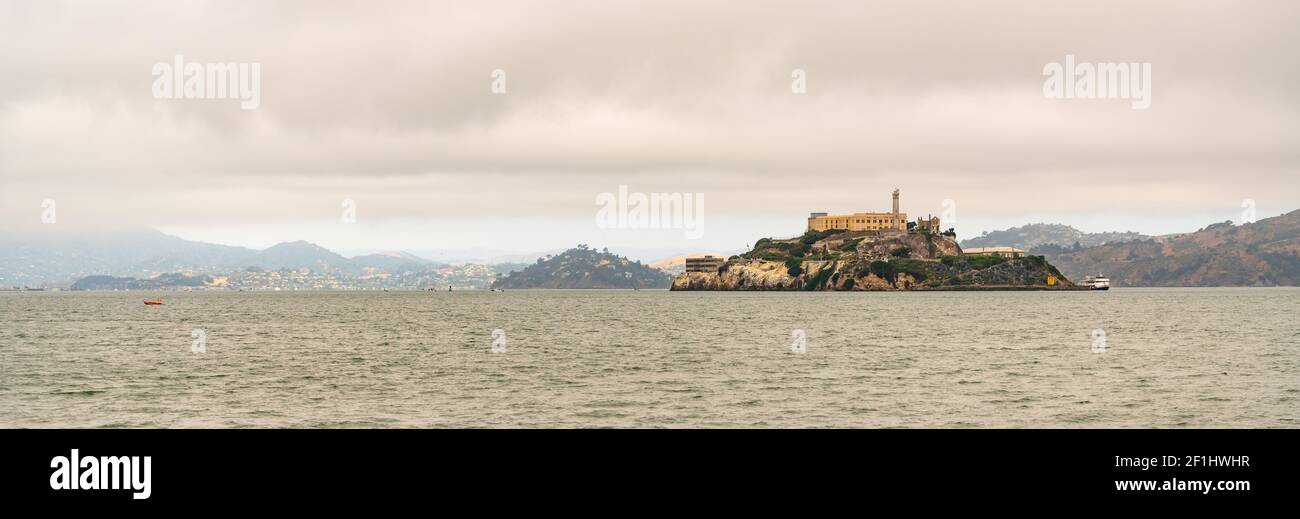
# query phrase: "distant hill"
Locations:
[[301, 254], [583, 267], [1031, 236], [1264, 253], [396, 261], [58, 257]]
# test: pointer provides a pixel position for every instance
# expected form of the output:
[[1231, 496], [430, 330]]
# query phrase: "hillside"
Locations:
[[1034, 235], [839, 260], [1264, 253], [583, 267], [395, 261]]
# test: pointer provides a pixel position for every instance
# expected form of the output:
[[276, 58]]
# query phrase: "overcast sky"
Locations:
[[390, 104]]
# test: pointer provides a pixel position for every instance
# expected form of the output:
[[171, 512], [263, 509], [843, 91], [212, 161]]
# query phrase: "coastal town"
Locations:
[[456, 277]]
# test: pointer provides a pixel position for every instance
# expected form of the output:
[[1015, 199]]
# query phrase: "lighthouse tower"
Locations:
[[897, 223]]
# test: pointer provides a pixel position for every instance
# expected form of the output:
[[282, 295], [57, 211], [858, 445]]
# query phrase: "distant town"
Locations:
[[455, 277]]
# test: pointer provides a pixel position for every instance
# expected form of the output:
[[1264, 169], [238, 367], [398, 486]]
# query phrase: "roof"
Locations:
[[989, 250]]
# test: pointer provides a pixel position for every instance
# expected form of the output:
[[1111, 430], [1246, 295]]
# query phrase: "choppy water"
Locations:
[[1174, 358]]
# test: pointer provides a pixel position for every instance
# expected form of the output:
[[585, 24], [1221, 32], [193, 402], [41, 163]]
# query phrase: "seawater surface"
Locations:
[[1179, 357]]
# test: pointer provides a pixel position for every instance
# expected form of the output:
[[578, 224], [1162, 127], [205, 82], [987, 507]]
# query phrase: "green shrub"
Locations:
[[983, 262], [794, 266], [901, 252], [812, 237], [883, 269], [819, 280], [915, 268]]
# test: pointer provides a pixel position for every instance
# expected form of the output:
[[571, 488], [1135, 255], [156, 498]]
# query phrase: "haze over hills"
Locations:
[[1036, 234], [1264, 253]]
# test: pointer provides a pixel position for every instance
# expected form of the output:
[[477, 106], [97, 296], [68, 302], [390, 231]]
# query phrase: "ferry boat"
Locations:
[[1098, 282]]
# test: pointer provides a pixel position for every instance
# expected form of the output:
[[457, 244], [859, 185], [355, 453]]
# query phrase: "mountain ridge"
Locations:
[[1262, 253], [1034, 235]]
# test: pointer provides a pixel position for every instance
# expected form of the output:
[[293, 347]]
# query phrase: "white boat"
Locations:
[[1098, 282]]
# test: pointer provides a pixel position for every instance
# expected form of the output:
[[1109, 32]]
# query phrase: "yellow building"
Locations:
[[893, 221], [705, 263]]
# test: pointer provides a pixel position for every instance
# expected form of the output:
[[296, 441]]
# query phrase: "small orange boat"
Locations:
[[155, 302]]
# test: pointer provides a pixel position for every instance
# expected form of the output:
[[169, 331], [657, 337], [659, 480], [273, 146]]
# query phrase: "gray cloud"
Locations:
[[390, 103]]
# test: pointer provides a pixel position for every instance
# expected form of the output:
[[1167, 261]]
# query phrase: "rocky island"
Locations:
[[872, 251], [873, 260]]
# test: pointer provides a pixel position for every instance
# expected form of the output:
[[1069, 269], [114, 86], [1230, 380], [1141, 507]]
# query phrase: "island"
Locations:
[[872, 252], [584, 267]]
